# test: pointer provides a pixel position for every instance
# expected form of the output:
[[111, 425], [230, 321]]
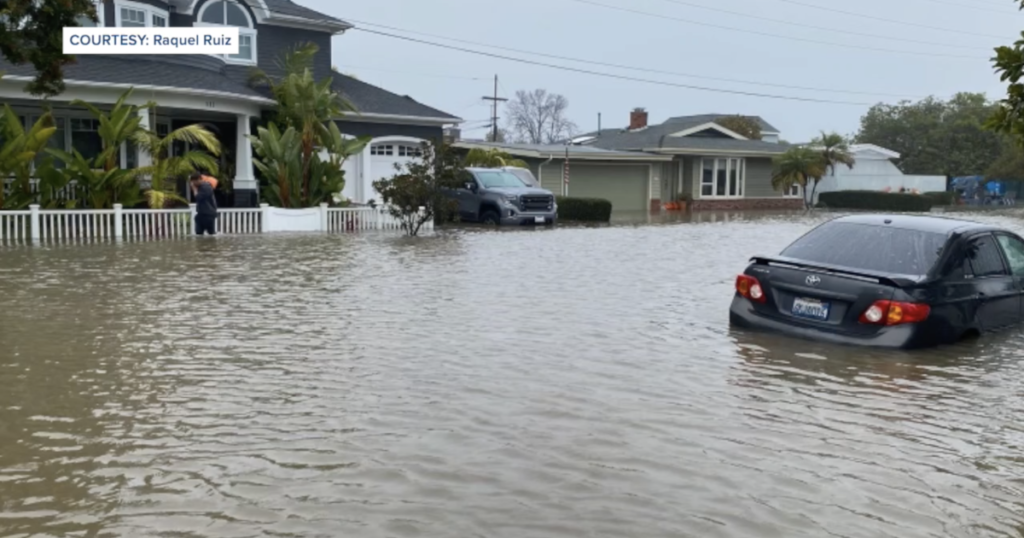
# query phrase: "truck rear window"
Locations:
[[874, 248]]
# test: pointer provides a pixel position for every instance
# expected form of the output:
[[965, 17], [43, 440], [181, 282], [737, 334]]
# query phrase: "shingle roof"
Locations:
[[371, 99], [556, 150], [291, 9], [657, 136], [700, 119], [722, 144], [140, 71]]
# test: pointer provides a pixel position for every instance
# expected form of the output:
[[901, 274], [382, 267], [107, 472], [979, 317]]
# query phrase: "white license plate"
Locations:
[[539, 220], [811, 309]]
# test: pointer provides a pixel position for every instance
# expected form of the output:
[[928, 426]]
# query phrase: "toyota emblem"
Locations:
[[813, 280]]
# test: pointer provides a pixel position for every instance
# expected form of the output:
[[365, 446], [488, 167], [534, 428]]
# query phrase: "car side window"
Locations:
[[985, 257], [1013, 248]]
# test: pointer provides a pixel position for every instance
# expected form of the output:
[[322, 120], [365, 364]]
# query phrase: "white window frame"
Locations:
[[794, 191], [149, 11], [383, 150], [250, 32], [730, 162]]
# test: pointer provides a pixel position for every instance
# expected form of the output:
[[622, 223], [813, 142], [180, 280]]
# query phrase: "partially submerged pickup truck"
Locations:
[[498, 196]]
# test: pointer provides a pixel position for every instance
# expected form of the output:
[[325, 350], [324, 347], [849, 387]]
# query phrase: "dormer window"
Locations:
[[229, 13], [135, 15]]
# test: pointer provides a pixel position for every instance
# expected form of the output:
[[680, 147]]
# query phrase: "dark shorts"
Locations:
[[206, 224]]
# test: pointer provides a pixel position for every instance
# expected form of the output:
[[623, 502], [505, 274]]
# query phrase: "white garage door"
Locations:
[[383, 158]]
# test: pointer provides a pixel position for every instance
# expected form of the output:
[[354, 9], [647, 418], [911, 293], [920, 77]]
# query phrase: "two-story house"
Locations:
[[214, 90]]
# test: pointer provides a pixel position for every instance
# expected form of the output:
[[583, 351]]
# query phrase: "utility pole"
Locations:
[[494, 114]]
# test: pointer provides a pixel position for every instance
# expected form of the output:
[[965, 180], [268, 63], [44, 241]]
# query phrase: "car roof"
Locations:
[[940, 225]]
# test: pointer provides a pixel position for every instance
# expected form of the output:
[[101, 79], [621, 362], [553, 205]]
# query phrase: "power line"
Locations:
[[883, 19], [640, 69], [969, 6], [435, 75], [612, 75], [779, 36], [836, 30]]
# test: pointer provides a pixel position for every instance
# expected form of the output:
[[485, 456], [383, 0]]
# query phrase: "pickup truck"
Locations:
[[499, 197]]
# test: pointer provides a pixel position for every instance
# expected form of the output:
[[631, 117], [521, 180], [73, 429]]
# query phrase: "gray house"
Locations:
[[214, 90]]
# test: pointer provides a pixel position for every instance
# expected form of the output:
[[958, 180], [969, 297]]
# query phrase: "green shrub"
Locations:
[[942, 197], [584, 209], [876, 201]]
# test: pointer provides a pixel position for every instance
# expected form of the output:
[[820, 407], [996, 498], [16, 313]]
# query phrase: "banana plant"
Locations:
[[165, 167], [277, 157], [102, 188], [119, 126], [17, 155], [326, 177]]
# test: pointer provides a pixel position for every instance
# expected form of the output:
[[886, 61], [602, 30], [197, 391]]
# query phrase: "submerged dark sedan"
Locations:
[[886, 280]]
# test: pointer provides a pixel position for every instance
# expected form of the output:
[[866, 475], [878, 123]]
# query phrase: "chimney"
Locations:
[[637, 119]]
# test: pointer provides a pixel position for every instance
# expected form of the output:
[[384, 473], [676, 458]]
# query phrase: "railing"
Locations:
[[137, 224]]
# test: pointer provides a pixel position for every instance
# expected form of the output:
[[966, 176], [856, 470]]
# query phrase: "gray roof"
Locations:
[[556, 150], [657, 136], [375, 100], [142, 71], [291, 9]]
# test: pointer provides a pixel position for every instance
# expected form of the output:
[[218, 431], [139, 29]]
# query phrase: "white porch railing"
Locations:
[[137, 224]]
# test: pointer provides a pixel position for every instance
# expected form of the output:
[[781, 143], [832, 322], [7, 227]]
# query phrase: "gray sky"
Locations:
[[454, 81]]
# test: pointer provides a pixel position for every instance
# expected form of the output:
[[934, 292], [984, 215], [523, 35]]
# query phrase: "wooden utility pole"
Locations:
[[494, 115]]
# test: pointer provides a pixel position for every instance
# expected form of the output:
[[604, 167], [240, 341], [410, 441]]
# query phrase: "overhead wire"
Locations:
[[635, 68], [883, 19]]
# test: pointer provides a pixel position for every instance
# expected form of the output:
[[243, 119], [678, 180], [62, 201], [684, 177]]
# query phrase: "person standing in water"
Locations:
[[206, 205]]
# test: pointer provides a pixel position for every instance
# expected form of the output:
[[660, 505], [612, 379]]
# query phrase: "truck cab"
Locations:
[[499, 196]]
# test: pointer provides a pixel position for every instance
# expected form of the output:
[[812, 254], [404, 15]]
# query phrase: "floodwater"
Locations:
[[577, 382]]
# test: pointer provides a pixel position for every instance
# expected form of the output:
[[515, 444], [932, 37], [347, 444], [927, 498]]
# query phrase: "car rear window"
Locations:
[[874, 248]]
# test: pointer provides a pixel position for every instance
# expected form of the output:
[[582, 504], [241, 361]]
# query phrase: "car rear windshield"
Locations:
[[874, 248]]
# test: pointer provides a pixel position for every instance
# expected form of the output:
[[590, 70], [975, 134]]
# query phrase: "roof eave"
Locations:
[[693, 151], [399, 118], [74, 83], [336, 27], [520, 152]]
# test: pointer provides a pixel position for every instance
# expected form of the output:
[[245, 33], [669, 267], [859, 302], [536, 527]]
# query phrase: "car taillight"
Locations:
[[895, 313], [749, 287]]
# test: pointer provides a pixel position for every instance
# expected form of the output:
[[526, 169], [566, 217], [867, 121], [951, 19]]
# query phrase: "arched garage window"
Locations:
[[228, 13]]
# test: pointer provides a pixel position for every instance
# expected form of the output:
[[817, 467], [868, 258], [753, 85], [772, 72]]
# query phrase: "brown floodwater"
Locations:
[[576, 382]]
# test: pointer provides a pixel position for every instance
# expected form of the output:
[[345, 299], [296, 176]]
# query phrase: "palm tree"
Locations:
[[835, 149], [165, 167], [491, 158], [799, 165], [303, 103]]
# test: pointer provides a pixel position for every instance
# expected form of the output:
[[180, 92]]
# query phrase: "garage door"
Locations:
[[624, 185], [383, 158]]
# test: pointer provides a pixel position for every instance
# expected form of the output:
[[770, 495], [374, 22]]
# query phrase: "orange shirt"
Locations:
[[209, 179]]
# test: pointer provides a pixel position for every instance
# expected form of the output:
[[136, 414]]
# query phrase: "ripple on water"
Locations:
[[573, 382]]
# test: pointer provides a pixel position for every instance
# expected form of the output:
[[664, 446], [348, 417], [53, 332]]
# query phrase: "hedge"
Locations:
[[942, 197], [584, 209], [876, 201]]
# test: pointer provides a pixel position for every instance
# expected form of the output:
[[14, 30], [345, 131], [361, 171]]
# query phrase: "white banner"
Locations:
[[158, 40]]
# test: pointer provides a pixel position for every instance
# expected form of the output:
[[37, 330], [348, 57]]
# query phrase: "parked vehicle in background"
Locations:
[[499, 197], [886, 280]]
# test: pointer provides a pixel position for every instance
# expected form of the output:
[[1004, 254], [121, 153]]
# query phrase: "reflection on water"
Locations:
[[567, 382]]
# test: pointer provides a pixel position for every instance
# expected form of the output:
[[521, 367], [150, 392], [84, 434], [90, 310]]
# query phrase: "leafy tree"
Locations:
[[1008, 117], [741, 125], [800, 165], [1010, 164], [935, 137], [32, 32], [491, 158], [417, 194], [166, 167], [539, 117], [308, 106]]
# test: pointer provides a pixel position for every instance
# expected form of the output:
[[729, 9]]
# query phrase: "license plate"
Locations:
[[811, 309], [539, 220]]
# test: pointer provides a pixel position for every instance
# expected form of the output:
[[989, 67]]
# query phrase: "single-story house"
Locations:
[[874, 170], [214, 90], [630, 180], [684, 156]]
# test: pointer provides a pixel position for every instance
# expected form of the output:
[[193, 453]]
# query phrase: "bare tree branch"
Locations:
[[538, 117]]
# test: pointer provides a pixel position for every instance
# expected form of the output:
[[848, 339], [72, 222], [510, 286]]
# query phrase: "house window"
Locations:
[[722, 178], [229, 13], [409, 151], [135, 15], [794, 191], [86, 22], [85, 137], [382, 150]]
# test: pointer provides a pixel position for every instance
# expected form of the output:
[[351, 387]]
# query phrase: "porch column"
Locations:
[[144, 158], [245, 177], [365, 186]]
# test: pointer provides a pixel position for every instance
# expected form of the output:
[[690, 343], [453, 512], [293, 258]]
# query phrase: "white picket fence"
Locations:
[[37, 225]]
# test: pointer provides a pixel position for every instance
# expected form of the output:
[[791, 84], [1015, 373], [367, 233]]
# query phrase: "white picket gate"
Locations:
[[140, 224]]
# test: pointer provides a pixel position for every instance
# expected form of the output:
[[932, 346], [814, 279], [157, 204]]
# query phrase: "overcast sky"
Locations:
[[753, 51]]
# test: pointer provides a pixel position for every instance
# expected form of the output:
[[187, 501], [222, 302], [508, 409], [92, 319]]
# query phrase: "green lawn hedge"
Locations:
[[876, 201], [942, 197], [584, 209]]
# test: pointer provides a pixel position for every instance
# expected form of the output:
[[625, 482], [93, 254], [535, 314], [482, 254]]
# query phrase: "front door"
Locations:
[[998, 291]]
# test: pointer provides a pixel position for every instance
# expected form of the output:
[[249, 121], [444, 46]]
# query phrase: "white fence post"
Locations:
[[264, 218], [118, 221], [324, 225], [34, 226]]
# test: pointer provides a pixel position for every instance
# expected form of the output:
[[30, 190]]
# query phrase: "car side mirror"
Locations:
[[471, 186]]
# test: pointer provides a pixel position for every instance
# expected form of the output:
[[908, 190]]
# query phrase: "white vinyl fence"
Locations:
[[46, 225]]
